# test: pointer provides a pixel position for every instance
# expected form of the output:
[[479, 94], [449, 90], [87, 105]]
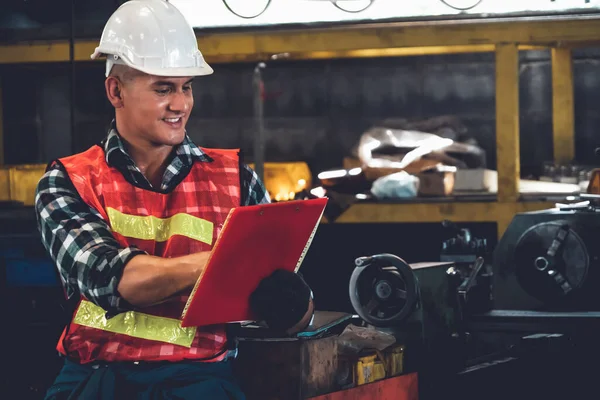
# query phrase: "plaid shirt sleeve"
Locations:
[[253, 190], [89, 259]]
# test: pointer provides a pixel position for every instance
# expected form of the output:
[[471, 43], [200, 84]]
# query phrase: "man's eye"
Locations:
[[187, 88], [162, 91]]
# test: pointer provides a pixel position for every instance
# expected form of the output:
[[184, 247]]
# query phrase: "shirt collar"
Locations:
[[187, 151]]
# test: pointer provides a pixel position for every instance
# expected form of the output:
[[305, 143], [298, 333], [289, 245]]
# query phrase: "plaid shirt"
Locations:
[[89, 259]]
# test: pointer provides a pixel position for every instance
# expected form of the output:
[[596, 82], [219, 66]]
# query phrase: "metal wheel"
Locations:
[[383, 290]]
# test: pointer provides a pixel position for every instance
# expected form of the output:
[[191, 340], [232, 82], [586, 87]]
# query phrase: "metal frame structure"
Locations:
[[503, 36], [1, 126], [352, 41]]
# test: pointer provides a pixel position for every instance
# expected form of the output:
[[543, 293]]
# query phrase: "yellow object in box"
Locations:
[[379, 365], [18, 183], [284, 179]]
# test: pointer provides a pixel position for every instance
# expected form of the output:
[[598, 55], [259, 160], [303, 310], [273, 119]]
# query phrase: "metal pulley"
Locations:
[[552, 261], [383, 290]]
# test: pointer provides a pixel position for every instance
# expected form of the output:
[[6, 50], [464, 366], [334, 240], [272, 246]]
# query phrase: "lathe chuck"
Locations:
[[553, 259]]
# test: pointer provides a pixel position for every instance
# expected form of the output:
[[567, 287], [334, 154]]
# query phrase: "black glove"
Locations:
[[282, 300]]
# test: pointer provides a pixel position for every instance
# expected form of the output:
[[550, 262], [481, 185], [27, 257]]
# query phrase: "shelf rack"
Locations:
[[503, 36]]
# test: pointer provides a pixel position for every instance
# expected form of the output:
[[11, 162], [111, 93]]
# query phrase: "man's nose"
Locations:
[[179, 102]]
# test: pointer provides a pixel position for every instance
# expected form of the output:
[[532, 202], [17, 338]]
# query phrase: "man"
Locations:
[[130, 224]]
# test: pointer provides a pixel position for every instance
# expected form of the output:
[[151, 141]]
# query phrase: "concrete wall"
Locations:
[[316, 110]]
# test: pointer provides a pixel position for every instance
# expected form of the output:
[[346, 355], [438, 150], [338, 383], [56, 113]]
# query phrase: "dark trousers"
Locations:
[[146, 381]]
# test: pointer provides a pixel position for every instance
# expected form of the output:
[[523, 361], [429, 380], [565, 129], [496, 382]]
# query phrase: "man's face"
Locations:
[[156, 109]]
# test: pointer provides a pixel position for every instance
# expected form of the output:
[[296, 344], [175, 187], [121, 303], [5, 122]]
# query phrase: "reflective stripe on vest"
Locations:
[[160, 229], [135, 324]]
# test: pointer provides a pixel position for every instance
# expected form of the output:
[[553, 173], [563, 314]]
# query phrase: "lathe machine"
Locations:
[[520, 321], [525, 316]]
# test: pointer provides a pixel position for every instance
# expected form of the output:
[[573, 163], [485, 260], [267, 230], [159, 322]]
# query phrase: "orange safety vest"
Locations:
[[184, 221]]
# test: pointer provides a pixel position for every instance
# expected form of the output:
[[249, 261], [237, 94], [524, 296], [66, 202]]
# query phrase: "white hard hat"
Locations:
[[151, 36]]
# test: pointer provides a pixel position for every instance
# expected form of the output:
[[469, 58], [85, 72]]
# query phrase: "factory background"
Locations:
[[337, 75]]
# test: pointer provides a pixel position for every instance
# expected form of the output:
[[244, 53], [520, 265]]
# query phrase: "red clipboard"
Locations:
[[254, 242]]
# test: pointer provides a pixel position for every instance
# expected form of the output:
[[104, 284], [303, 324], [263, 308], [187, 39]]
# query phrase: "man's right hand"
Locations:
[[149, 280]]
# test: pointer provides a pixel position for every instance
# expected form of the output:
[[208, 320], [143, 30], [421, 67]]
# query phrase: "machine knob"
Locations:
[[383, 290]]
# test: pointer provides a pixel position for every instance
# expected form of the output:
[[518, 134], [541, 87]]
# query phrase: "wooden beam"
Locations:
[[507, 122], [563, 110]]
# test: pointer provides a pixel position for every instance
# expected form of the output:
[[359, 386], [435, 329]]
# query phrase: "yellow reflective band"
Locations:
[[160, 229], [135, 324]]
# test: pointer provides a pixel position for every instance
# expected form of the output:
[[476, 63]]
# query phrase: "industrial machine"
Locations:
[[471, 321], [548, 261], [533, 302], [425, 305]]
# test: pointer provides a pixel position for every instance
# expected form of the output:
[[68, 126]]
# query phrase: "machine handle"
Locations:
[[463, 289]]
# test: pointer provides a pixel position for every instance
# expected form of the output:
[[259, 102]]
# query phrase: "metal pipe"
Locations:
[[259, 124], [1, 126], [74, 146], [259, 118]]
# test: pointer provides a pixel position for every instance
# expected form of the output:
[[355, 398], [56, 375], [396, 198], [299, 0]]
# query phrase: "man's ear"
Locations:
[[114, 91]]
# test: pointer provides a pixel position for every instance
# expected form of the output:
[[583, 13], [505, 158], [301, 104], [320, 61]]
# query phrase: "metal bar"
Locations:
[[535, 321], [507, 122], [59, 52], [404, 51], [501, 213], [73, 79], [259, 128], [563, 118], [257, 45], [401, 35], [1, 126]]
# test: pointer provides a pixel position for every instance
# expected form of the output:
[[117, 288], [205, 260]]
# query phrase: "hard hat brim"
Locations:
[[177, 72], [202, 70]]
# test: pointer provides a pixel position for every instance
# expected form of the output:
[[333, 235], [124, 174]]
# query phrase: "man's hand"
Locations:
[[284, 301], [149, 280]]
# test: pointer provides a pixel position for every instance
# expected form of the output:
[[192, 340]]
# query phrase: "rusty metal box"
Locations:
[[287, 368]]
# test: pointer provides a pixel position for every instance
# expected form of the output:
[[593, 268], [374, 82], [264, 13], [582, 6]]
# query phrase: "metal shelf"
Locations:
[[435, 212], [361, 40], [503, 36]]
